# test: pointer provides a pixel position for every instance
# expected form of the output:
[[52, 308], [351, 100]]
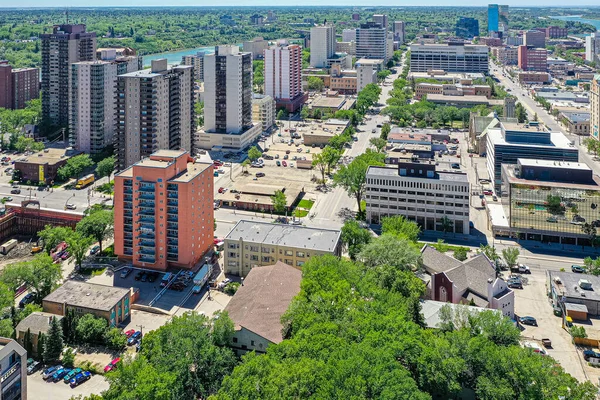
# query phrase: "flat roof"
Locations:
[[87, 295], [369, 61], [442, 176], [557, 139], [193, 170], [497, 215], [409, 136], [46, 156], [328, 102], [577, 116], [553, 164], [463, 99], [169, 153], [512, 179], [286, 235], [569, 286]]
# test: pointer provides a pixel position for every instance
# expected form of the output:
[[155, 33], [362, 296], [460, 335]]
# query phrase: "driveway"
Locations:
[[39, 389]]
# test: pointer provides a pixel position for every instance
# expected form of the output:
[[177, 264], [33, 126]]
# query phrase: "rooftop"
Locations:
[[468, 99], [369, 61], [329, 102], [557, 140], [577, 117], [409, 137], [263, 298], [325, 240], [37, 321], [528, 162], [569, 286], [431, 311], [48, 156], [87, 295], [192, 171], [442, 176]]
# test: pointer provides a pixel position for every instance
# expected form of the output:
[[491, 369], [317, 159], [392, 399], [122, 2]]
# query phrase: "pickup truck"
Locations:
[[521, 268]]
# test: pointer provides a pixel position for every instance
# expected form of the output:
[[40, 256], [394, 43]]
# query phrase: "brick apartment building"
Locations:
[[18, 86], [532, 59]]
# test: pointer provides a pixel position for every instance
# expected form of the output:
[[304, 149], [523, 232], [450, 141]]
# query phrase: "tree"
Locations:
[[69, 326], [98, 225], [315, 84], [40, 274], [28, 342], [378, 143], [74, 167], [592, 265], [353, 176], [510, 256], [254, 153], [319, 161], [68, 358], [554, 205], [385, 131], [304, 113], [590, 231], [400, 227], [53, 345], [51, 236], [282, 114], [390, 250], [223, 329], [41, 345], [460, 253], [106, 167], [331, 156], [577, 331], [115, 339], [520, 113], [245, 164], [91, 329], [355, 237], [279, 201], [78, 246], [447, 224], [489, 251]]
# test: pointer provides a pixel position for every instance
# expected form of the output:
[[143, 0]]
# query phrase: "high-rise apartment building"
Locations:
[[498, 18], [532, 59], [381, 19], [196, 61], [399, 32], [450, 57], [534, 38], [467, 27], [92, 106], [349, 35], [228, 100], [155, 111], [595, 107], [371, 41], [13, 361], [322, 45], [283, 76], [592, 47], [67, 44], [164, 213], [18, 86]]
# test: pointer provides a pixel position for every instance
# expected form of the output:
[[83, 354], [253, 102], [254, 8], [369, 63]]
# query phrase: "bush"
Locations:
[[231, 288], [90, 329], [460, 253], [68, 358], [94, 368], [115, 339]]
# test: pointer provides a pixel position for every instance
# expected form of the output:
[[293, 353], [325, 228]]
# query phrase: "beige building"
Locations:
[[256, 46], [576, 122], [366, 72], [36, 323], [108, 302], [346, 47], [257, 306], [534, 77], [264, 111], [321, 133], [506, 55], [595, 107], [342, 80], [252, 244], [452, 90]]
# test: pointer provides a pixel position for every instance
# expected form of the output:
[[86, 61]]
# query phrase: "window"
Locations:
[[299, 254], [289, 253], [252, 343], [254, 248], [299, 263], [234, 339], [253, 258], [265, 250]]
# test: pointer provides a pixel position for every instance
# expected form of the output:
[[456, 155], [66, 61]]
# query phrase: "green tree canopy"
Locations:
[[74, 167], [279, 201], [254, 153], [401, 227], [98, 225], [105, 167], [355, 237]]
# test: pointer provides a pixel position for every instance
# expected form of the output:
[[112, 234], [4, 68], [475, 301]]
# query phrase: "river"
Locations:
[[174, 57], [577, 18]]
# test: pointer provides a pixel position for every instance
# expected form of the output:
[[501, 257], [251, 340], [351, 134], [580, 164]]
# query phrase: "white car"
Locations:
[[524, 269], [71, 206]]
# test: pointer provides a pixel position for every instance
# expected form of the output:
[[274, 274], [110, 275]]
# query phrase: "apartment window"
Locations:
[[232, 263], [265, 250], [232, 254], [299, 254], [289, 262], [234, 339], [266, 259], [299, 263], [254, 248], [252, 343], [289, 253], [253, 258]]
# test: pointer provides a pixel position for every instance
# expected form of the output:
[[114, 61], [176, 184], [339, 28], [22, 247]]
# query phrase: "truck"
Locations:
[[202, 277], [85, 181], [8, 246]]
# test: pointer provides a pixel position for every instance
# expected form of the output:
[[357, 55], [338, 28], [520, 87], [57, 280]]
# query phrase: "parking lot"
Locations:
[[37, 388]]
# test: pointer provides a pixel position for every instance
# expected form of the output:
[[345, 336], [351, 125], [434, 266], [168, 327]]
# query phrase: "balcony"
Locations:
[[146, 212], [146, 259], [172, 235], [147, 252], [146, 188], [147, 235], [146, 243], [172, 242], [128, 251], [172, 210], [172, 194], [172, 218], [147, 196]]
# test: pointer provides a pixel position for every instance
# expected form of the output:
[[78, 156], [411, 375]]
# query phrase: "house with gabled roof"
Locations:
[[473, 282]]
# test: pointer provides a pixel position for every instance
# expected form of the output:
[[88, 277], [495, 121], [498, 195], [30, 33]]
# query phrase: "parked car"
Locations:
[[29, 298], [94, 250], [134, 338], [125, 273], [80, 378], [58, 375], [71, 206], [488, 192], [528, 321], [138, 276], [48, 372], [260, 174], [455, 166], [587, 354], [72, 375], [112, 365], [284, 164], [152, 276], [15, 191], [34, 366], [522, 268], [129, 333], [278, 163], [515, 284], [221, 190], [578, 269]]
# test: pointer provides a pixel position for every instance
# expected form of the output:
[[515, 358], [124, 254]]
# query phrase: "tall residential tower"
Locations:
[[322, 45], [283, 76]]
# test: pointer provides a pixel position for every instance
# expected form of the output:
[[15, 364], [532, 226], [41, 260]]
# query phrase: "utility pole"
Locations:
[[142, 334]]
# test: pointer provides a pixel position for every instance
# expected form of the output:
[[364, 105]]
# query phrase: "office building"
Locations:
[[555, 32], [532, 59], [343, 81], [592, 47], [283, 76], [253, 244], [450, 57], [453, 89], [595, 107], [371, 41], [228, 100], [491, 41], [322, 45], [155, 111], [534, 38], [467, 28], [421, 193], [256, 19], [18, 86], [196, 61], [348, 48], [577, 123], [13, 361], [67, 44], [549, 201], [256, 46], [164, 213], [498, 19], [349, 35], [381, 19], [366, 72], [43, 166], [529, 77], [109, 302], [257, 306], [506, 55], [399, 32], [509, 141], [264, 110]]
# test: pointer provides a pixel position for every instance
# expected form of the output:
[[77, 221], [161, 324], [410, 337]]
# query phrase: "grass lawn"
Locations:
[[299, 213], [307, 204], [92, 271]]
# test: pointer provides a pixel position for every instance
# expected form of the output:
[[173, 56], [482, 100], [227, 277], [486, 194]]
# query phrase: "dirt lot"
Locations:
[[532, 301]]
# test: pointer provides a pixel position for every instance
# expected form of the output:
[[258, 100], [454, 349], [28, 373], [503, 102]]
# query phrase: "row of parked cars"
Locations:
[[71, 376]]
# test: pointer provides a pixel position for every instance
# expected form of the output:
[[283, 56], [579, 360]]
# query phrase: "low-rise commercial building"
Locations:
[[37, 323], [257, 196], [458, 89], [43, 166], [257, 306], [342, 80], [510, 141], [252, 244], [13, 363], [320, 134], [576, 122], [435, 200], [108, 302], [331, 102], [566, 290], [463, 101], [529, 77], [549, 201], [164, 212]]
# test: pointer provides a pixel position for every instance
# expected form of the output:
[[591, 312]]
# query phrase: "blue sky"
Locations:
[[394, 3]]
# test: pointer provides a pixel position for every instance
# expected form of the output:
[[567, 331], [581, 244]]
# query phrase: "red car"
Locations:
[[112, 365], [217, 163], [488, 192], [130, 332], [217, 241], [284, 163], [221, 190]]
